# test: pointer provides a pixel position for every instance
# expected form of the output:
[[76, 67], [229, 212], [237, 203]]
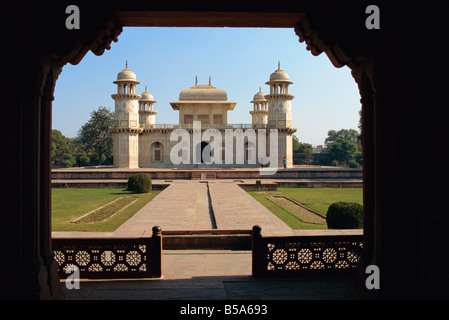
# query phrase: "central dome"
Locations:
[[203, 93]]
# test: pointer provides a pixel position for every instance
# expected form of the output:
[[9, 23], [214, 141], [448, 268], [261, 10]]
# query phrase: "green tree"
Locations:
[[295, 144], [345, 134], [342, 150], [60, 144], [84, 161], [68, 160], [95, 136], [65, 147], [304, 151]]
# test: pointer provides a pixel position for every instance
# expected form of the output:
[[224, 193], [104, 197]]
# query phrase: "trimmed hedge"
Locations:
[[139, 183], [345, 215]]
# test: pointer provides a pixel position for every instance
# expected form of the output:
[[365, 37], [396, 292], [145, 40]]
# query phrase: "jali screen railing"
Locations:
[[110, 257], [297, 255]]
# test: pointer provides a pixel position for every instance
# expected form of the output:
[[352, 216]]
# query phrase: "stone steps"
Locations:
[[207, 240], [207, 175]]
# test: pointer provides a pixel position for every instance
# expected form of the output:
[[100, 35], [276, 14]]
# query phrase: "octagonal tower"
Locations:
[[126, 120]]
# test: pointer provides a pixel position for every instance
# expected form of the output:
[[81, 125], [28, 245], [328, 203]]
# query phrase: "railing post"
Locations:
[[258, 263], [154, 258]]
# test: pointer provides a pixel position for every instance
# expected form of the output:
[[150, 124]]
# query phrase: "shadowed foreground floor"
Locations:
[[213, 275]]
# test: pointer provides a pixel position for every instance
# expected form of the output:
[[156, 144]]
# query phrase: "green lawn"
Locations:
[[68, 204], [318, 199]]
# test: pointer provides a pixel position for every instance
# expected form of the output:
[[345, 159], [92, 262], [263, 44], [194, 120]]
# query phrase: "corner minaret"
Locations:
[[147, 115], [279, 100], [280, 114], [260, 111], [126, 120]]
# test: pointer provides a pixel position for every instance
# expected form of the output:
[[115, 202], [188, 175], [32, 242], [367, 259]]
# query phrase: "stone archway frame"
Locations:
[[99, 39]]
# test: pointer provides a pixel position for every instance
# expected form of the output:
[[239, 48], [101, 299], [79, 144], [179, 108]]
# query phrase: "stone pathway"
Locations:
[[173, 209], [185, 205], [234, 208]]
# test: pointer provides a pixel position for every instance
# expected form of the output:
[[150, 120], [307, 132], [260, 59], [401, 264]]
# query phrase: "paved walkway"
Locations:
[[186, 205]]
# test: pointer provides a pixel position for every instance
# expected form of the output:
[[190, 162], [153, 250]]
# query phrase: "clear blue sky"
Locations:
[[239, 60]]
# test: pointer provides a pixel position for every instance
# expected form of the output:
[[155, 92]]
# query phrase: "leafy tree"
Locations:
[[65, 147], [345, 134], [335, 163], [95, 137], [342, 150], [68, 161], [295, 143], [61, 145], [305, 151], [84, 161]]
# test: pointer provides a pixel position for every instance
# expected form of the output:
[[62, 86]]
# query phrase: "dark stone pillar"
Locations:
[[50, 264]]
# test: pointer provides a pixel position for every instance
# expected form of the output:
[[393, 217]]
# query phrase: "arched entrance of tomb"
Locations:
[[203, 150], [337, 31]]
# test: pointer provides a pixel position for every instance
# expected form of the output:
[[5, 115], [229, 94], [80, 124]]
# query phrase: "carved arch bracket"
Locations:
[[336, 54], [98, 44], [51, 64]]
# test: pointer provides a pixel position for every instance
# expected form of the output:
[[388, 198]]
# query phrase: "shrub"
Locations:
[[84, 161], [139, 183], [335, 163], [345, 215], [68, 161], [353, 164], [97, 160]]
